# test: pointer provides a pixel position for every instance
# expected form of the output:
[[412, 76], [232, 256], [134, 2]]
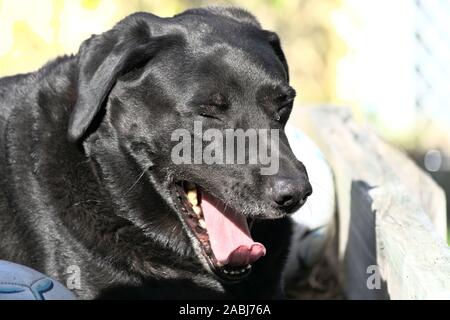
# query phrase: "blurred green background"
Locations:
[[34, 31], [387, 60]]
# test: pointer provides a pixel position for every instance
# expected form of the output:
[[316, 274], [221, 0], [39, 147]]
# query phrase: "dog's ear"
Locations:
[[103, 58], [274, 41]]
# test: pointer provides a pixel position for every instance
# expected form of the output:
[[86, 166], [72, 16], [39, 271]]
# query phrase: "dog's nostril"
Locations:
[[285, 201], [307, 194], [303, 200]]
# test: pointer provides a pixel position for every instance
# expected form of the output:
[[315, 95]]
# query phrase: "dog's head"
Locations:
[[185, 117]]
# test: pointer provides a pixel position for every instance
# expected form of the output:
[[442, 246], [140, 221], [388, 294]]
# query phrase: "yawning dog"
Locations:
[[87, 175]]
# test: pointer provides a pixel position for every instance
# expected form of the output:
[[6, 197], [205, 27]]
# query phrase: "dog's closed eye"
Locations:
[[210, 116], [212, 110]]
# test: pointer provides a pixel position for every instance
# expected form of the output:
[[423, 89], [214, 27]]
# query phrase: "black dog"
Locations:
[[87, 178]]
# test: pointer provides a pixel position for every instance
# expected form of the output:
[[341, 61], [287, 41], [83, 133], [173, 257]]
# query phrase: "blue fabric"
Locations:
[[18, 282]]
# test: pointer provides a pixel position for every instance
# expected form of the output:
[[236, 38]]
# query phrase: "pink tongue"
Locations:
[[229, 235]]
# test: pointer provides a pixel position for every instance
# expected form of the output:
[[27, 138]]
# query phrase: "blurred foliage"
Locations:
[[35, 31]]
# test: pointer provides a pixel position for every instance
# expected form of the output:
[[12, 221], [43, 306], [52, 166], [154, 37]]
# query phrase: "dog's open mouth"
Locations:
[[223, 233]]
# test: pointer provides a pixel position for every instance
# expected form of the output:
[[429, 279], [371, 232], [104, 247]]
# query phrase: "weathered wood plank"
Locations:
[[391, 214]]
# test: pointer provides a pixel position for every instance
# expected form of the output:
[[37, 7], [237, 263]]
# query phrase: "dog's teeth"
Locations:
[[192, 197], [236, 272], [202, 223], [197, 210]]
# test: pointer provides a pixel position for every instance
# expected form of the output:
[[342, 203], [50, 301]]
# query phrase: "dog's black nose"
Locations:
[[290, 194]]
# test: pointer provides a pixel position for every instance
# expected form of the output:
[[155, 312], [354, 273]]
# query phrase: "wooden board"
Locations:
[[391, 215]]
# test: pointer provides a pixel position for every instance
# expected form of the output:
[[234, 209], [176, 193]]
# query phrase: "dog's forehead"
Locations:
[[248, 68], [203, 31], [208, 23], [240, 49]]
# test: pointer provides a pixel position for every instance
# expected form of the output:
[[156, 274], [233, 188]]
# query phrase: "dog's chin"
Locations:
[[220, 234]]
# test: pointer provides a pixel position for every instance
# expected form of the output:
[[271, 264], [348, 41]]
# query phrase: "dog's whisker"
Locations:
[[85, 201], [139, 178]]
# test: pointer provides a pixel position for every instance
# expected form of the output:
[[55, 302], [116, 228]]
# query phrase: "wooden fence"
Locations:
[[391, 218]]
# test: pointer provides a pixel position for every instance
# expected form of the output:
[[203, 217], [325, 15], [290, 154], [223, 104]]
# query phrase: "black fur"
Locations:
[[85, 170]]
